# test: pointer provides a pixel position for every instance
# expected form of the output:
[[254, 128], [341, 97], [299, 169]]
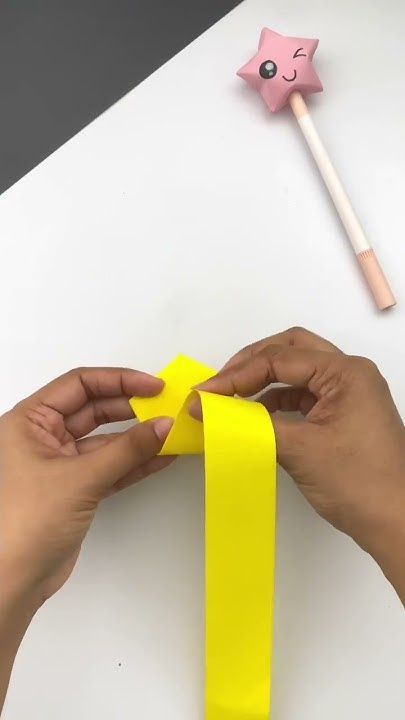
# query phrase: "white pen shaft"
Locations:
[[361, 246], [334, 185]]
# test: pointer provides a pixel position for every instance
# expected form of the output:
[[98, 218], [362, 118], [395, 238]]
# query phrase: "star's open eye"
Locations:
[[268, 69], [299, 53]]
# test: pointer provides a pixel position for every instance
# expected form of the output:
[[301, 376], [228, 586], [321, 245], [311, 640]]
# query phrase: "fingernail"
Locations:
[[162, 427]]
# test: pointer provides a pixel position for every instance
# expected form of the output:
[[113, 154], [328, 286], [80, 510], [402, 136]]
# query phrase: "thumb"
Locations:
[[131, 449], [293, 442]]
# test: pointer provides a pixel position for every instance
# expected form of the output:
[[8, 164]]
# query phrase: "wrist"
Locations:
[[390, 556], [18, 605], [384, 540], [18, 594]]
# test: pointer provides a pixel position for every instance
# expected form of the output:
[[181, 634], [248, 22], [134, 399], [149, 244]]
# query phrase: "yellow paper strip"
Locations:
[[240, 476]]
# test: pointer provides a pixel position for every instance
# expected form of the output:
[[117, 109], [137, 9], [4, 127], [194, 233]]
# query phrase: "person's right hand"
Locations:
[[348, 456]]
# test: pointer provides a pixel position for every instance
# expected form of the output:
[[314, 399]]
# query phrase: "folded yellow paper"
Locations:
[[240, 508]]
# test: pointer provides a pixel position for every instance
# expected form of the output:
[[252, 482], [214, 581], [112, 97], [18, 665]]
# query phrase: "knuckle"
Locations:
[[365, 366], [100, 415], [248, 352], [76, 370], [75, 374], [367, 370], [295, 332], [18, 407], [245, 351]]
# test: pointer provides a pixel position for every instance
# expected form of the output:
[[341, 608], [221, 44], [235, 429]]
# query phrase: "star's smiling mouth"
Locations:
[[291, 79]]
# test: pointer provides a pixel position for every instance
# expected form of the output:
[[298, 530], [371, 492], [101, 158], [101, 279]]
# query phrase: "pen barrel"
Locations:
[[368, 262]]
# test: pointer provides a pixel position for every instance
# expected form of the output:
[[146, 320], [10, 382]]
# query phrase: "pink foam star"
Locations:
[[282, 65]]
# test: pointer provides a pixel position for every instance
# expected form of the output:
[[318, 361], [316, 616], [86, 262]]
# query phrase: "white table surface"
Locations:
[[188, 219]]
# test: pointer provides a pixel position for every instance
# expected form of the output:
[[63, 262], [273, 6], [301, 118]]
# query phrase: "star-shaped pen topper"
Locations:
[[282, 65]]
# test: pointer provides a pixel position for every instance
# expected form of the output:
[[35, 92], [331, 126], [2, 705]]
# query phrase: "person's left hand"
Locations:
[[52, 477]]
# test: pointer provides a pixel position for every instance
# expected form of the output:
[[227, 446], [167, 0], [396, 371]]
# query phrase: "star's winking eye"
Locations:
[[299, 53], [268, 69]]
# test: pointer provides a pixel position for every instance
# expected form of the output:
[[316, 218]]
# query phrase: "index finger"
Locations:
[[297, 337], [275, 363], [70, 392]]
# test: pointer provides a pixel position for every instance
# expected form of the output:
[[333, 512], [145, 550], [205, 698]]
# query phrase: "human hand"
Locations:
[[348, 455], [52, 478]]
